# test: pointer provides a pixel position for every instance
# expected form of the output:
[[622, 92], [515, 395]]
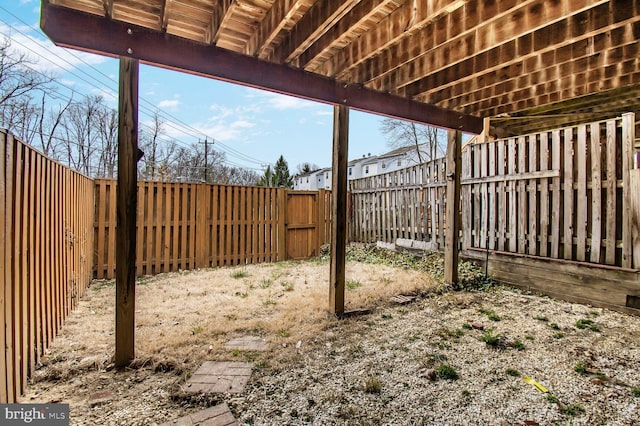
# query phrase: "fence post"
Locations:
[[126, 212], [7, 394], [339, 208], [454, 168], [282, 224], [630, 201]]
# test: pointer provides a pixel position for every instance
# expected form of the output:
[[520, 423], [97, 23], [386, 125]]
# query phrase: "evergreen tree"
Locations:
[[281, 175], [267, 179], [277, 177]]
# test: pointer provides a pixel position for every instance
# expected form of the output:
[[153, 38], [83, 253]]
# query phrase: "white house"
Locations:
[[369, 165]]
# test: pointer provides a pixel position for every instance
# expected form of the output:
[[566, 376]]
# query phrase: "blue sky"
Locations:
[[253, 127]]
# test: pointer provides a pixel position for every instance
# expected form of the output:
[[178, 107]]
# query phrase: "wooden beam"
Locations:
[[221, 13], [71, 28], [543, 50], [126, 199], [454, 170], [318, 19], [402, 23], [274, 21], [432, 48], [342, 33], [339, 208]]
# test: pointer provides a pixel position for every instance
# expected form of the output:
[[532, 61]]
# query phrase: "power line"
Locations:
[[150, 111]]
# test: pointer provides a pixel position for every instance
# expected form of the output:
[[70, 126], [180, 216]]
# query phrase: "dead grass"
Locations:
[[187, 316]]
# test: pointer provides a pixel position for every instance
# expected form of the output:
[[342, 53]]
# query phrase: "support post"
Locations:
[[126, 206], [339, 208], [454, 170]]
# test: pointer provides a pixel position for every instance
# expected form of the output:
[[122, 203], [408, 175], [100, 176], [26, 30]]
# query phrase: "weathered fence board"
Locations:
[[187, 226], [46, 244], [563, 194]]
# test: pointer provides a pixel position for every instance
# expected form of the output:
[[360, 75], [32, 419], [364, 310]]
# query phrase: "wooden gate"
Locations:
[[305, 223]]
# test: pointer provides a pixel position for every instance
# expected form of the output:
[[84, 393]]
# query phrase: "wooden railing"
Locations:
[[46, 244]]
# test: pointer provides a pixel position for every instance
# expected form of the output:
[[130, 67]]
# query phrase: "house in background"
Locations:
[[366, 166]]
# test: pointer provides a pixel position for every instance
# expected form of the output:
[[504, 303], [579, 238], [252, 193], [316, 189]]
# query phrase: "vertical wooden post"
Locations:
[[126, 211], [282, 208], [454, 169], [339, 208], [628, 203], [630, 226]]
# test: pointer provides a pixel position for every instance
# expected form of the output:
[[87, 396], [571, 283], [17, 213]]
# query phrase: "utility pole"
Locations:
[[206, 160]]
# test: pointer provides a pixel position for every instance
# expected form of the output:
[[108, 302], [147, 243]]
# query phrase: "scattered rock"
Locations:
[[430, 374], [100, 398], [477, 326]]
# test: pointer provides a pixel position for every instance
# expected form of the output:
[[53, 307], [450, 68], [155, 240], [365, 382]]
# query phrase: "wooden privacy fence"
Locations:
[[407, 203], [562, 194], [189, 225], [46, 242], [568, 194]]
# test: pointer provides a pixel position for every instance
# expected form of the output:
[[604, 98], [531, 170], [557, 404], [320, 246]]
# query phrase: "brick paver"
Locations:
[[247, 343], [220, 415], [219, 377]]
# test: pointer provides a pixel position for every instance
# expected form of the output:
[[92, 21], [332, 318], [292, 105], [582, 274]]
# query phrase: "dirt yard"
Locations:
[[450, 357]]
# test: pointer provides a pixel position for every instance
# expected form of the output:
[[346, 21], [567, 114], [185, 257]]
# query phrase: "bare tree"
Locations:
[[16, 77], [150, 140], [82, 137], [108, 140], [429, 142]]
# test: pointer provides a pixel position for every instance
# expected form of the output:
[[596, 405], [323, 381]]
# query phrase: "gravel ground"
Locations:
[[383, 369], [452, 358]]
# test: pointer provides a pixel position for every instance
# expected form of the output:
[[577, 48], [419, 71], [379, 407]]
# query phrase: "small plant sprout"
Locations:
[[265, 283], [490, 314], [287, 286], [447, 372], [197, 330], [491, 339], [552, 399], [558, 335], [467, 326], [580, 368], [283, 332], [517, 344], [373, 385], [586, 323], [554, 326], [513, 372], [352, 284], [239, 274], [636, 391], [572, 409]]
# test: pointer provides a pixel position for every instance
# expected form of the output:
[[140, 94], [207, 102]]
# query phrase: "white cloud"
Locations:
[[277, 101], [169, 104], [242, 124], [44, 55]]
